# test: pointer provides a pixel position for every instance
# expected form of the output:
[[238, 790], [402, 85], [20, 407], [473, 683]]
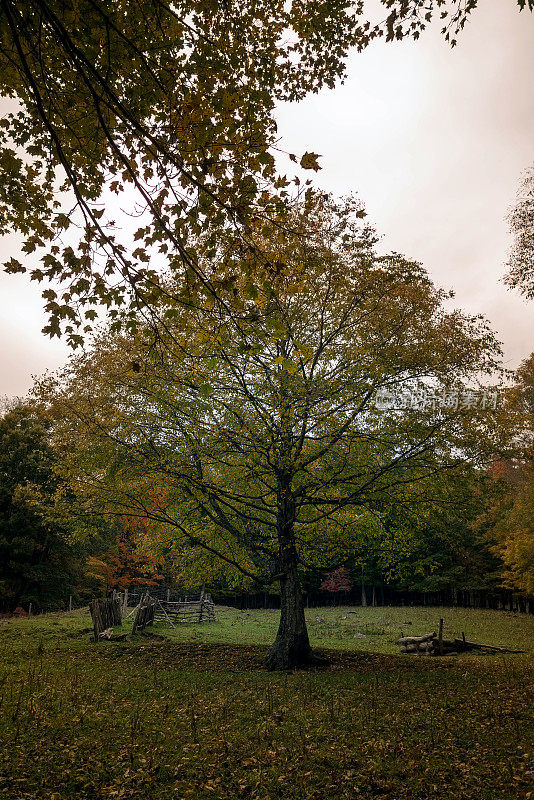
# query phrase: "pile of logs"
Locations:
[[428, 645], [433, 644]]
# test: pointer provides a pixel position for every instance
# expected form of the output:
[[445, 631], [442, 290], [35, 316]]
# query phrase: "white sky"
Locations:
[[433, 141]]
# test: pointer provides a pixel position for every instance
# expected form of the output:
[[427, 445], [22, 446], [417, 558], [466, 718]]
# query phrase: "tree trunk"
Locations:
[[364, 598], [291, 648]]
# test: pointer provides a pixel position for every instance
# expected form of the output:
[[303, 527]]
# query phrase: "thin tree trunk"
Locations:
[[364, 598]]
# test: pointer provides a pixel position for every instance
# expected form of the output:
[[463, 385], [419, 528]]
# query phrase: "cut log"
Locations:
[[416, 639], [427, 646], [430, 644]]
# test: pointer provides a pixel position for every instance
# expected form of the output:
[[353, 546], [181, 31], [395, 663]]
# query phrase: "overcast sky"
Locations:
[[433, 141]]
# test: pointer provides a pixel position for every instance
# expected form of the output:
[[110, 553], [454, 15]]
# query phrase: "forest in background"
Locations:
[[479, 554]]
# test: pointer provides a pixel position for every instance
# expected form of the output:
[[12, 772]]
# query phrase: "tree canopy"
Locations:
[[164, 111], [259, 417]]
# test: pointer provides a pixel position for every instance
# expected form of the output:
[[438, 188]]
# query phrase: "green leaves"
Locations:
[[192, 135], [205, 390], [286, 364], [35, 562]]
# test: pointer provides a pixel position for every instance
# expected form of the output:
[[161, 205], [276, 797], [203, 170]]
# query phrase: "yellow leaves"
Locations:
[[281, 182], [98, 570]]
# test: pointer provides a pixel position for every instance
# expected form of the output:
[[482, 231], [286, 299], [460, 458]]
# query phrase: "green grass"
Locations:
[[197, 716], [364, 629]]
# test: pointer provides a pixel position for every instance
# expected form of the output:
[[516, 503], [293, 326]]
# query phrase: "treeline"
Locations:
[[498, 600], [473, 547]]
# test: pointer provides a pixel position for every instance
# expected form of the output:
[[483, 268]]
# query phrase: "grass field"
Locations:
[[196, 715], [364, 629]]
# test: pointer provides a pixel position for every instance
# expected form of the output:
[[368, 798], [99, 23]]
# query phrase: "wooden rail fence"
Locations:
[[108, 612], [178, 613], [174, 613]]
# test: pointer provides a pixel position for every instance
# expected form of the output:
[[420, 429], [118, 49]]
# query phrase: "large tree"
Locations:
[[166, 112], [39, 562], [261, 418]]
